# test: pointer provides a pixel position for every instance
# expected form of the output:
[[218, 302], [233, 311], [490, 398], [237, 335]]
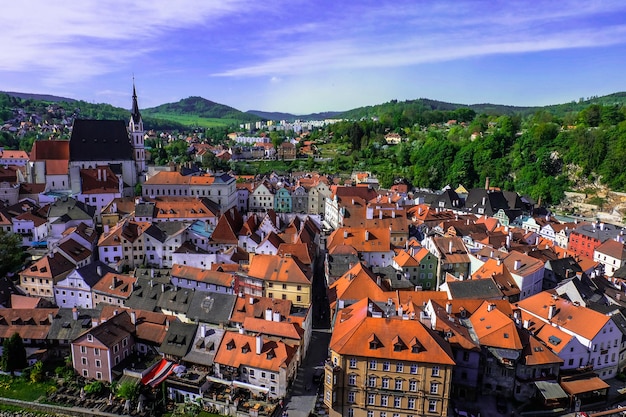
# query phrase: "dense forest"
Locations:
[[541, 155]]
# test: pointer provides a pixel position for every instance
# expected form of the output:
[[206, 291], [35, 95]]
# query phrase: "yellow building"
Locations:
[[284, 278], [386, 365]]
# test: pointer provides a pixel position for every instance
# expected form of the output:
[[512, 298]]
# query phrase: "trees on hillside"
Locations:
[[13, 354]]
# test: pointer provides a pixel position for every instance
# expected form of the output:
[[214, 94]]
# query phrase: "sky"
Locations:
[[304, 56]]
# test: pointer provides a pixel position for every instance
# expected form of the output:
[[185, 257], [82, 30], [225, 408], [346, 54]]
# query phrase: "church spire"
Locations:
[[135, 110]]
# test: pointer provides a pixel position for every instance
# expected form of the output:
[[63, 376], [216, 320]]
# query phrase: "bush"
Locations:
[[94, 387]]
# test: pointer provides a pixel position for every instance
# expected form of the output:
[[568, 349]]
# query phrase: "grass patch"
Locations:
[[196, 121], [20, 389]]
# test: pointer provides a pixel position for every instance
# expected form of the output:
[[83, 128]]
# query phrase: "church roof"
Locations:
[[100, 140]]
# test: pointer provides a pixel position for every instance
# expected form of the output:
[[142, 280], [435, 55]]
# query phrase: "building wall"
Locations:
[[298, 294]]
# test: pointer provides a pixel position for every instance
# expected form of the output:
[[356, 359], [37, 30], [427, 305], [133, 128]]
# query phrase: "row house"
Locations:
[[114, 289], [585, 238], [283, 200], [283, 277], [267, 364], [219, 188], [380, 214], [33, 326], [611, 254], [418, 266], [13, 157], [64, 213], [76, 289], [262, 197], [169, 209], [162, 240], [206, 280], [373, 245], [385, 365], [453, 257], [78, 254], [334, 210], [581, 337], [39, 279], [124, 244]]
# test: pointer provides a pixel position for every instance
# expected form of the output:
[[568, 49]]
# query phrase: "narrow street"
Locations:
[[304, 391]]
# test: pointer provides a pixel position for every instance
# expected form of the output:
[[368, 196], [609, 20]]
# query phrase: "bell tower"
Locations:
[[135, 129]]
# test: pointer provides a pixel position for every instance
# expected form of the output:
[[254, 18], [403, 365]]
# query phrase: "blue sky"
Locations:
[[311, 56]]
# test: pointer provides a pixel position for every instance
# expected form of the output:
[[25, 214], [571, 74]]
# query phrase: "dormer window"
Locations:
[[230, 345], [90, 338], [374, 342]]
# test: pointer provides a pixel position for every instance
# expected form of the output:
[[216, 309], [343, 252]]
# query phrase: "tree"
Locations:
[[10, 251], [13, 354], [127, 390], [37, 373]]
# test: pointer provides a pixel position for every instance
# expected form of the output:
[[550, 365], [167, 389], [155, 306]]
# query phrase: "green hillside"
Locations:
[[198, 111]]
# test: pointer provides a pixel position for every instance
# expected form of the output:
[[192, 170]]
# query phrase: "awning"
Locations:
[[158, 373], [577, 385], [550, 390]]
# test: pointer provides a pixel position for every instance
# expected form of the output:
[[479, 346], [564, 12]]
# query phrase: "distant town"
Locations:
[[137, 283]]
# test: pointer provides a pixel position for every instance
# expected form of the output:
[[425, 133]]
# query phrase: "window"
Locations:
[[413, 385], [351, 396], [434, 388], [435, 371], [385, 383], [98, 363], [124, 342], [83, 361], [413, 368], [350, 412], [384, 399], [272, 377], [370, 413], [83, 349], [371, 381], [372, 364], [386, 366], [251, 372], [398, 385], [411, 404], [85, 373], [352, 380], [399, 367], [98, 375], [352, 362], [397, 402], [371, 398], [383, 414], [432, 406]]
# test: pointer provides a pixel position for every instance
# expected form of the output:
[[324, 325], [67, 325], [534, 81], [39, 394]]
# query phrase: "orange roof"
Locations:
[[127, 229], [54, 265], [536, 353], [251, 306], [29, 324], [357, 333], [358, 283], [168, 177], [282, 329], [279, 269], [613, 249], [362, 239], [150, 326], [494, 328], [572, 316], [404, 259], [57, 167], [23, 301], [202, 275], [99, 180], [50, 149], [239, 349], [579, 385], [115, 285]]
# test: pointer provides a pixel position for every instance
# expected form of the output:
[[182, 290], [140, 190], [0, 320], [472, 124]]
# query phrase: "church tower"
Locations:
[[135, 128]]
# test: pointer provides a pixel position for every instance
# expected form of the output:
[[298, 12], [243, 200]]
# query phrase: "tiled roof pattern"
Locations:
[[274, 354], [279, 269]]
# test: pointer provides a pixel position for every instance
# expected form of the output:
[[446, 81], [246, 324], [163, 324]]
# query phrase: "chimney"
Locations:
[[268, 314], [380, 214], [400, 310], [498, 261], [370, 307], [99, 270], [276, 316], [490, 307], [50, 317], [419, 211], [345, 234], [75, 314], [484, 201], [151, 272], [551, 311], [367, 235], [167, 324], [251, 300], [133, 317], [526, 324], [517, 264], [259, 344], [486, 183], [450, 246], [203, 330], [449, 307], [241, 330], [104, 175], [99, 174], [393, 214]]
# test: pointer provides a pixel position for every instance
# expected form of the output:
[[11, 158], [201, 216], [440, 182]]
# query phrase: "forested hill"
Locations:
[[200, 107], [292, 117], [426, 111]]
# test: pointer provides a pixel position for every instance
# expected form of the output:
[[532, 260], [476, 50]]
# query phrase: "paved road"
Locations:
[[303, 392]]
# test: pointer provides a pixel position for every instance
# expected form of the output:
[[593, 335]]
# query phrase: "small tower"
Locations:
[[135, 128]]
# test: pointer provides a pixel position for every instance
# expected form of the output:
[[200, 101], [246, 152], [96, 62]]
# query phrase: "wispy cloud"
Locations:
[[394, 35]]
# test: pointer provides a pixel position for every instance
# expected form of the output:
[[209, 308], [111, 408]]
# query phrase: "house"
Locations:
[[383, 362], [262, 197], [99, 187], [372, 244], [283, 277], [75, 252], [33, 326], [97, 351], [611, 254], [124, 244], [452, 254], [38, 279], [581, 337], [32, 227], [64, 213], [286, 152], [267, 364], [199, 279], [283, 200], [75, 290], [113, 289], [161, 240], [585, 238]]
